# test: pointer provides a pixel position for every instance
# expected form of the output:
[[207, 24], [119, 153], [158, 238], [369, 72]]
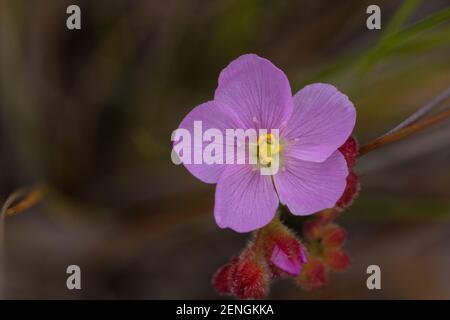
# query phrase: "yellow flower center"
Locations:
[[268, 147]]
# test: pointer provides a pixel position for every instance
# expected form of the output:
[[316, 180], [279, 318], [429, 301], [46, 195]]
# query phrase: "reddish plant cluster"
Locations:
[[277, 252], [325, 246], [244, 277], [323, 237]]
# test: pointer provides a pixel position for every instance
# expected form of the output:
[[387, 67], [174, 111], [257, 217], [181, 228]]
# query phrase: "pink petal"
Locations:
[[323, 118], [257, 91], [245, 199], [282, 261], [212, 116], [308, 187]]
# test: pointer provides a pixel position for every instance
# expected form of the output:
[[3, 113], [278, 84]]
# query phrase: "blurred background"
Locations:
[[89, 114]]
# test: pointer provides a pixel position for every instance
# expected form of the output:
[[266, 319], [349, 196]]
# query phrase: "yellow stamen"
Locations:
[[268, 147]]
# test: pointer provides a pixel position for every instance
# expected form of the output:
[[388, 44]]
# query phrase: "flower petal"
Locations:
[[245, 199], [285, 263], [308, 187], [257, 91], [323, 118], [212, 116]]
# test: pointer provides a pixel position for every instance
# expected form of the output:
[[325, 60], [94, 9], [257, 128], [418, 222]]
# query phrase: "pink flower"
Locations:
[[254, 94]]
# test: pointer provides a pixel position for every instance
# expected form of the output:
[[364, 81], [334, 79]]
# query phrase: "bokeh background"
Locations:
[[89, 115]]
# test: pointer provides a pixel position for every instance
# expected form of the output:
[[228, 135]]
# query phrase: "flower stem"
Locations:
[[259, 242], [403, 133]]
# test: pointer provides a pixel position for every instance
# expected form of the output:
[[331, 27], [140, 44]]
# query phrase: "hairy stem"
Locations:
[[403, 133]]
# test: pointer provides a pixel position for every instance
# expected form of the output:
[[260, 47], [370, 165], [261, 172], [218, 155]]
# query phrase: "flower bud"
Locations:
[[283, 251], [249, 278], [337, 259], [222, 278], [289, 259], [314, 275], [334, 236]]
